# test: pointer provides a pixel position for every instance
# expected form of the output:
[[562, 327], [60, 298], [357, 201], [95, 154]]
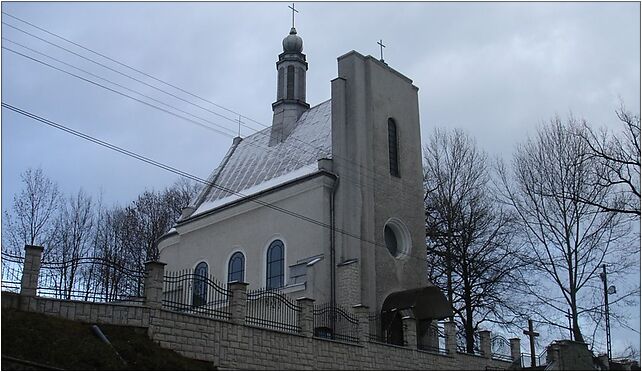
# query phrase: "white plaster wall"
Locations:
[[250, 228]]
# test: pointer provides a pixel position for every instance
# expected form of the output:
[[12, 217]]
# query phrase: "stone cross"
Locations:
[[531, 336], [293, 10], [381, 46]]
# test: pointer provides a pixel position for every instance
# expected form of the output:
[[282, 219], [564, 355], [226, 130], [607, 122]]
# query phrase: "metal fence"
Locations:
[[91, 279], [461, 344], [500, 348], [540, 360], [269, 308], [11, 272], [388, 329], [434, 339], [188, 292], [336, 323]]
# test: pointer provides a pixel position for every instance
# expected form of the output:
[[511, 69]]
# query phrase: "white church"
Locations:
[[327, 203]]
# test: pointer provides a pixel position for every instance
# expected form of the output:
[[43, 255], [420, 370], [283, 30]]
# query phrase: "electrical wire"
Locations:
[[350, 179], [252, 198], [366, 170]]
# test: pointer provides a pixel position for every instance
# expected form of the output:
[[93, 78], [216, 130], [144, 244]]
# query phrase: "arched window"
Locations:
[[236, 268], [275, 260], [199, 292], [393, 154]]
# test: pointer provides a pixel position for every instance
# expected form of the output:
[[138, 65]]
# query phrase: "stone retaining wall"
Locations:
[[236, 346], [232, 344]]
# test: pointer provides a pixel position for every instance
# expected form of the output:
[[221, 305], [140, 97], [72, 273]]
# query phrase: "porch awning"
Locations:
[[426, 303]]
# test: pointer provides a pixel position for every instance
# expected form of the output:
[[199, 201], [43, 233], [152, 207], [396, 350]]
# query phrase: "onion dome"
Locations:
[[292, 43]]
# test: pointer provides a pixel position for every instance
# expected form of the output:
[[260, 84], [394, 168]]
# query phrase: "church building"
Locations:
[[327, 203]]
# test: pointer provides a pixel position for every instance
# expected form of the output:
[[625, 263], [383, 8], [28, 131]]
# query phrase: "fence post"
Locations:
[[515, 349], [154, 276], [451, 337], [484, 344], [409, 329], [238, 302], [363, 317], [306, 317], [31, 270]]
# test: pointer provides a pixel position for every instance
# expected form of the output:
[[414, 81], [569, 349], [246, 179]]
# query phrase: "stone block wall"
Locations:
[[232, 344], [238, 346]]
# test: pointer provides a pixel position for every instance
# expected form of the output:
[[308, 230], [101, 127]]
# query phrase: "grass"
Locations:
[[72, 345]]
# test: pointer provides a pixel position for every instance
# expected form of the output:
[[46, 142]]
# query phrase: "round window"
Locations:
[[397, 238], [391, 240]]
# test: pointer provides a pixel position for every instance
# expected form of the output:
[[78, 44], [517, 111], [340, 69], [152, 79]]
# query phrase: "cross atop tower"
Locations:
[[293, 10], [381, 46]]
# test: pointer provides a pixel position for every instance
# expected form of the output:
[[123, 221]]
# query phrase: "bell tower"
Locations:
[[290, 93]]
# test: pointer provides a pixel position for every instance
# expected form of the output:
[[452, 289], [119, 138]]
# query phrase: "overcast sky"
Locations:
[[496, 70]]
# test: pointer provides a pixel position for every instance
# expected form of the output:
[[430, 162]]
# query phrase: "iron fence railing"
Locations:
[[188, 292], [336, 323], [387, 329], [540, 360], [462, 347], [434, 340], [11, 272], [500, 348], [269, 308], [93, 279]]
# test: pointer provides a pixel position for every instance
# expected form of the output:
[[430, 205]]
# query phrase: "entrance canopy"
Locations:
[[425, 303]]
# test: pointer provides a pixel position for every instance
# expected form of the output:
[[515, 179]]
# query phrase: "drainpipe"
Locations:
[[333, 266], [326, 165]]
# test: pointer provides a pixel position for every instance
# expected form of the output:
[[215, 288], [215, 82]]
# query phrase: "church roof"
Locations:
[[252, 166]]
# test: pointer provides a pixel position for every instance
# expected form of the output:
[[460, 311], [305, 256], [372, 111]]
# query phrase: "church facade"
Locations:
[[327, 203]]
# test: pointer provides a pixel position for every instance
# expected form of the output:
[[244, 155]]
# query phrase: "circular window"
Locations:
[[397, 238], [391, 240]]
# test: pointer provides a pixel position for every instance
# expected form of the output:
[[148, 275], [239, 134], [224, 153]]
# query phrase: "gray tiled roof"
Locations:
[[253, 162]]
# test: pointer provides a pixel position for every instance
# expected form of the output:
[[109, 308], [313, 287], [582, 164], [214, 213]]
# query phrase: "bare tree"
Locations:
[[73, 238], [619, 157], [32, 212], [555, 191], [471, 252]]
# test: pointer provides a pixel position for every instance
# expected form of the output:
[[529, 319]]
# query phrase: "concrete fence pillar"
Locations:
[[484, 344], [363, 317], [515, 349], [306, 316], [238, 302], [31, 270], [409, 324], [154, 276], [450, 329]]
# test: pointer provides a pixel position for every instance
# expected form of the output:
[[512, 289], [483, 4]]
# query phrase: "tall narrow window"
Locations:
[[236, 268], [275, 260], [393, 154], [290, 82], [199, 291]]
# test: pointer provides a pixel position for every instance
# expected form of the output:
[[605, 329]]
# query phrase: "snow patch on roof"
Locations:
[[255, 166], [299, 173]]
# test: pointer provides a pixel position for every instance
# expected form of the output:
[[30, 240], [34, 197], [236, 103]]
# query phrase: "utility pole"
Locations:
[[607, 290]]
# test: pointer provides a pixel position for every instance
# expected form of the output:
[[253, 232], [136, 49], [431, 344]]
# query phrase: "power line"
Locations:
[[187, 175], [366, 170], [122, 73], [350, 179], [101, 78], [117, 92], [132, 68]]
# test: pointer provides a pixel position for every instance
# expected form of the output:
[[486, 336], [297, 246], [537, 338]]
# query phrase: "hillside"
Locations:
[[62, 344]]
